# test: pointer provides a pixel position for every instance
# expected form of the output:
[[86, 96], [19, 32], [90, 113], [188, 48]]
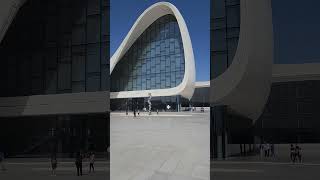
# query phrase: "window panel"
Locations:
[[64, 76], [93, 7], [51, 82], [105, 77], [78, 35], [93, 29], [93, 83], [78, 87], [93, 58], [78, 68]]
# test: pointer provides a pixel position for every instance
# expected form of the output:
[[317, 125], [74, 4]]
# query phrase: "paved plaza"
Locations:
[[247, 170], [39, 169], [168, 146], [278, 167]]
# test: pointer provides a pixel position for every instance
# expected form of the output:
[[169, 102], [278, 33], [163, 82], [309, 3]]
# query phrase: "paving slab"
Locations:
[[165, 146]]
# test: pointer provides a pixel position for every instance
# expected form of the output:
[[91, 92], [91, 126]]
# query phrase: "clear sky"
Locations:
[[196, 14], [296, 31]]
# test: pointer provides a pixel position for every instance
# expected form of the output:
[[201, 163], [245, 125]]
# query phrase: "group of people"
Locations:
[[295, 153], [267, 150], [78, 162], [135, 112]]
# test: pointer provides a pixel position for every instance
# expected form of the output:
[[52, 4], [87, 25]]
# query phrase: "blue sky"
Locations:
[[197, 16]]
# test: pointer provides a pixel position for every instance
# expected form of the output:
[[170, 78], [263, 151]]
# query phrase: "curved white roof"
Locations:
[[244, 87], [8, 10], [186, 87]]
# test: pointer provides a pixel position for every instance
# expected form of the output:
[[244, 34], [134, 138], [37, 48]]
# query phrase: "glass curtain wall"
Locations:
[[154, 61], [224, 32], [52, 47], [291, 114], [225, 29], [59, 46]]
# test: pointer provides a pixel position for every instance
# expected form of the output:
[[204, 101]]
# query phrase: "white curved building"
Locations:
[[156, 57], [8, 10], [245, 85]]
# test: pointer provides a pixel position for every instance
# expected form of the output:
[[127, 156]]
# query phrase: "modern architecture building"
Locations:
[[154, 60], [54, 95], [254, 99]]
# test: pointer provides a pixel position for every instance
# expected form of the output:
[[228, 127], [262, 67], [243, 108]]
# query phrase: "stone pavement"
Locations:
[[168, 146], [279, 167], [38, 169], [242, 170]]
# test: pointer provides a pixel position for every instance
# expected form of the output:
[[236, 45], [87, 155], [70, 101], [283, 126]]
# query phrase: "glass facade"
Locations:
[[158, 103], [224, 32], [296, 31], [63, 135], [291, 114], [53, 47], [201, 97], [154, 61], [225, 29]]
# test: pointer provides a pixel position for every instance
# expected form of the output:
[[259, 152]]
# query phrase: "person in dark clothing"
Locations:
[[126, 107], [265, 149], [79, 163], [134, 108], [298, 153], [54, 164], [272, 150], [292, 153]]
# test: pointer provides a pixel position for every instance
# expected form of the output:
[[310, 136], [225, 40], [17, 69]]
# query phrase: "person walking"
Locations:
[[265, 148], [127, 107], [134, 108], [298, 153], [91, 161], [292, 153], [54, 164], [3, 168], [272, 150], [268, 149], [79, 163], [261, 150]]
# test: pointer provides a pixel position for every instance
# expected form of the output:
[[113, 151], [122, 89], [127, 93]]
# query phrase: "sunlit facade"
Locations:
[[155, 59]]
